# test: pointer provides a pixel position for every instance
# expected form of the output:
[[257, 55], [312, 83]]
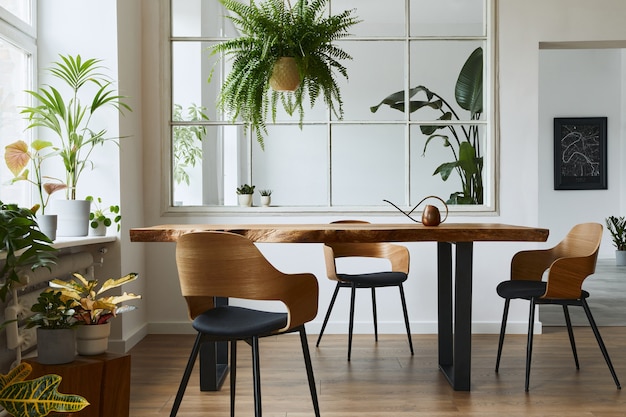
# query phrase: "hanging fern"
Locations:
[[273, 29]]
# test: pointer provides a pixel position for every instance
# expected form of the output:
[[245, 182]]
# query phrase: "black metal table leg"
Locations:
[[455, 347], [213, 361]]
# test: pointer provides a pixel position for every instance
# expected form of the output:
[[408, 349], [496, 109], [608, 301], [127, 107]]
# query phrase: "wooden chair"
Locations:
[[220, 264], [398, 256], [567, 265]]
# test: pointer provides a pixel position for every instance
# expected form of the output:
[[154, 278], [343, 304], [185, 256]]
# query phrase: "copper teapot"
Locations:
[[430, 215]]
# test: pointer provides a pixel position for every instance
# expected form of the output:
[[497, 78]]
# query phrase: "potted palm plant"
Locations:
[[93, 310], [70, 117], [37, 397], [277, 37], [463, 142], [23, 245], [617, 229], [18, 157]]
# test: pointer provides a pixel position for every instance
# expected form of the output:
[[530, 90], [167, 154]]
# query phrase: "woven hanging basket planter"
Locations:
[[285, 75]]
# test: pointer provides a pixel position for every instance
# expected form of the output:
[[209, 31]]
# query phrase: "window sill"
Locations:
[[73, 242]]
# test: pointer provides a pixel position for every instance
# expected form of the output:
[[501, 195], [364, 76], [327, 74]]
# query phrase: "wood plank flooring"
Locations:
[[383, 379]]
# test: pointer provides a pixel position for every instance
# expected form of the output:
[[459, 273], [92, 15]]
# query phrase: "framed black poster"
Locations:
[[580, 153]]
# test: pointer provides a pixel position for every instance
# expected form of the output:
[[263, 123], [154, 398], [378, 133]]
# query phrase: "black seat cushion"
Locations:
[[525, 289], [375, 279], [238, 322]]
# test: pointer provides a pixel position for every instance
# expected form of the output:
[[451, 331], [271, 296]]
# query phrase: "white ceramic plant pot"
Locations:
[[73, 217], [56, 346], [245, 200], [92, 339], [266, 200], [620, 257], [101, 230], [48, 225]]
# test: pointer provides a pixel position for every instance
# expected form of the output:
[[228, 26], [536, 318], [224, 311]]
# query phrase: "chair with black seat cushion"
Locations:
[[565, 266], [220, 264], [397, 255]]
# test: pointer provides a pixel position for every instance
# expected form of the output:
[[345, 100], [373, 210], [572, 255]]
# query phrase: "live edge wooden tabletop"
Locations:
[[356, 233]]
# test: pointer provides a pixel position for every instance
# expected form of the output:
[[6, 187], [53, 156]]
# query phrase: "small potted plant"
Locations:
[[17, 157], [93, 310], [266, 197], [70, 109], [55, 322], [617, 229], [102, 217], [244, 195], [37, 397], [23, 244]]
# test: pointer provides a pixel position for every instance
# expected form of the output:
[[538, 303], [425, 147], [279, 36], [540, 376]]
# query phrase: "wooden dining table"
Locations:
[[454, 273]]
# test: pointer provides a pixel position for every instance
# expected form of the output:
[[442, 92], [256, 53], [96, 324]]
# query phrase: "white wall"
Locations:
[[522, 25], [580, 83]]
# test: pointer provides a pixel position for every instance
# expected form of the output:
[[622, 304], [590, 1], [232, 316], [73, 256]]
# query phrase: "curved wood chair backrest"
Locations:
[[398, 255], [568, 263], [221, 264]]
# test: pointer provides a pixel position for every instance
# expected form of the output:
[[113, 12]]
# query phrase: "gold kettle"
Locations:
[[430, 214]]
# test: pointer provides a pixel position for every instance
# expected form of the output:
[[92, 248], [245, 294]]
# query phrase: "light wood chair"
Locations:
[[226, 265], [399, 258], [567, 264]]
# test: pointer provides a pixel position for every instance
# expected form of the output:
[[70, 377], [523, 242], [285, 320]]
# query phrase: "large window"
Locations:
[[17, 49], [339, 165]]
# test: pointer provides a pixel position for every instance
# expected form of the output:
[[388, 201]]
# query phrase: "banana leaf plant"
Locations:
[[463, 141], [35, 397]]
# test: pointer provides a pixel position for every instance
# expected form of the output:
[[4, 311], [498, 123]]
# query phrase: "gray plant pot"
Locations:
[[73, 217], [620, 257], [56, 346]]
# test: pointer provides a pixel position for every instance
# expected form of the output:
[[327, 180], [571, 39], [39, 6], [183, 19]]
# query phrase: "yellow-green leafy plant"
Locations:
[[90, 305], [35, 397]]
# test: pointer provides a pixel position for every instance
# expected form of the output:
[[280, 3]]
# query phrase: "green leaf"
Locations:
[[469, 86]]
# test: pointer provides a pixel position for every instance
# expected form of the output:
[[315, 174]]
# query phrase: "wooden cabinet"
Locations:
[[104, 380]]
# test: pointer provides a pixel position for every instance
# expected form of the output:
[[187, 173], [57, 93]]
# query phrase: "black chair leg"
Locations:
[[505, 316], [529, 345], [309, 370], [570, 332], [233, 375], [351, 325], [183, 383], [330, 308], [256, 372], [406, 317], [596, 332], [374, 314]]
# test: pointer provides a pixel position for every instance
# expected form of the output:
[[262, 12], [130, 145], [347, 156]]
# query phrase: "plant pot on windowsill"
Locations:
[[73, 217], [620, 257]]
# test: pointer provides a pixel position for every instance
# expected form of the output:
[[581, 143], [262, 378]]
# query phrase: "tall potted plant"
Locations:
[[18, 157], [463, 142], [277, 38], [23, 244], [70, 117]]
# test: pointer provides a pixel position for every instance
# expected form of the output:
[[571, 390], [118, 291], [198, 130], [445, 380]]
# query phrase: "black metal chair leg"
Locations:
[[330, 308], [406, 317], [233, 375], [256, 372], [351, 325], [570, 332], [529, 345], [309, 370], [505, 316], [374, 314], [183, 383], [596, 332]]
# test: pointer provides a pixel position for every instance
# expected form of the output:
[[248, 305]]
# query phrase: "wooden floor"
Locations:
[[383, 379]]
